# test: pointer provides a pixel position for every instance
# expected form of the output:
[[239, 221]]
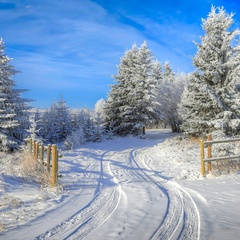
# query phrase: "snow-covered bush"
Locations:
[[22, 164], [223, 167], [222, 149], [75, 139], [33, 170]]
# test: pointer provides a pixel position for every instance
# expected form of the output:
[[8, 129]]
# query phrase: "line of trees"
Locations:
[[59, 124], [145, 92], [203, 101]]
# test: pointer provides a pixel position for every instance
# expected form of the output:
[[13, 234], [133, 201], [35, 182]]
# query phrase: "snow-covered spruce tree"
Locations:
[[13, 108], [145, 104], [210, 101], [170, 90], [117, 98], [99, 110], [63, 121], [56, 122], [34, 127], [79, 119], [85, 129], [131, 103]]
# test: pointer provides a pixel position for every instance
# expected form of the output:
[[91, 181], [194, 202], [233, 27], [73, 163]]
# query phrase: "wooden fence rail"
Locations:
[[209, 158], [47, 155]]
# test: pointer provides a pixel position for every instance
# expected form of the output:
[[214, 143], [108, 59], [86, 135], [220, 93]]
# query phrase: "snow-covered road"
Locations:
[[117, 189]]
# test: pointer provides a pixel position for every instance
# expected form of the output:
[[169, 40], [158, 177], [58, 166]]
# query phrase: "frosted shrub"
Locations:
[[235, 125], [32, 170], [221, 149], [22, 164], [75, 139], [225, 167], [224, 149]]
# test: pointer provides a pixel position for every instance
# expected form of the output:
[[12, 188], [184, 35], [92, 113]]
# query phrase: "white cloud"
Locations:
[[77, 44]]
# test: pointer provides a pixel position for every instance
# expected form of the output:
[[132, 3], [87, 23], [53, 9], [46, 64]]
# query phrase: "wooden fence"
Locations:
[[47, 155], [209, 158]]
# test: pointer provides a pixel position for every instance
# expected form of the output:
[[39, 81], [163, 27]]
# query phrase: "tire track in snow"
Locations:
[[181, 219], [94, 214]]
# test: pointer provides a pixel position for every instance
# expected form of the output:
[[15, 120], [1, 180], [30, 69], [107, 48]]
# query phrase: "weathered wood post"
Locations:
[[54, 164], [57, 164], [48, 157], [209, 152], [41, 153], [34, 148], [37, 150], [29, 142], [202, 158]]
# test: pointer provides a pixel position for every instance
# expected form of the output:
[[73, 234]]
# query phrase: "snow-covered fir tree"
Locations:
[[117, 98], [79, 119], [211, 100], [56, 122], [99, 110], [14, 119], [131, 103], [63, 121], [85, 128], [34, 128]]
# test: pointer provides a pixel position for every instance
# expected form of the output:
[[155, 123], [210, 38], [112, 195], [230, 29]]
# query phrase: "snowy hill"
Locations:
[[125, 188]]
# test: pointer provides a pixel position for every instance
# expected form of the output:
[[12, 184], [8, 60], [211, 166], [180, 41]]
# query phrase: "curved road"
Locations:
[[125, 197]]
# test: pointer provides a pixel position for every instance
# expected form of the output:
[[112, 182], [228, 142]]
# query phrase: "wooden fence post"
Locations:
[[54, 164], [37, 150], [29, 142], [34, 148], [202, 157], [57, 164], [48, 157], [41, 153], [209, 152]]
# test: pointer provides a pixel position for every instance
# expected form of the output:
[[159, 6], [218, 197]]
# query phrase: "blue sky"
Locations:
[[72, 47]]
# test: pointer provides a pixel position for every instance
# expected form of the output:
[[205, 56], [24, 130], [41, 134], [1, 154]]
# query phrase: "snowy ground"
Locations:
[[126, 188]]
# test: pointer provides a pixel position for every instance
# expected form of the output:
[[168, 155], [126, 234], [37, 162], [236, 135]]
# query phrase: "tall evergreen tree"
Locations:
[[145, 100], [115, 107], [210, 101], [13, 108], [131, 103], [63, 121]]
